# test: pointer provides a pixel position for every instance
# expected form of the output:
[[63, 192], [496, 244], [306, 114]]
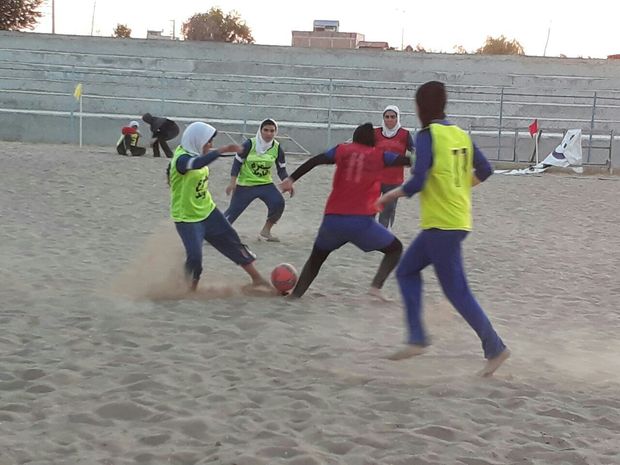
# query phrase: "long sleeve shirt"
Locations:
[[424, 161], [247, 146], [187, 162]]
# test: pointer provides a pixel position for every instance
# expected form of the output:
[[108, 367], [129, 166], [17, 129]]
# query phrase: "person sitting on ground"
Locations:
[[130, 135]]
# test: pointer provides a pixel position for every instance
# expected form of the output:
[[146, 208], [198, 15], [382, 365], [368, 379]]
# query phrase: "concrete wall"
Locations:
[[316, 95]]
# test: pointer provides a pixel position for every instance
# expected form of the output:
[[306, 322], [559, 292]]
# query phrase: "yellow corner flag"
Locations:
[[77, 93]]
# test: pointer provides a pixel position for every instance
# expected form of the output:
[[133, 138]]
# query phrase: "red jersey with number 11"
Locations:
[[357, 180]]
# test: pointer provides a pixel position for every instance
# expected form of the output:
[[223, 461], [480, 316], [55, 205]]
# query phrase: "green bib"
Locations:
[[190, 200], [445, 200], [256, 168]]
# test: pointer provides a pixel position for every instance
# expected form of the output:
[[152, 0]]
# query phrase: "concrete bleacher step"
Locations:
[[308, 91]]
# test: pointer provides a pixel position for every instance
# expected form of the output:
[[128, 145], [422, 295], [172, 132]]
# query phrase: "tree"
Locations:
[[122, 31], [216, 26], [16, 15], [500, 46], [460, 50]]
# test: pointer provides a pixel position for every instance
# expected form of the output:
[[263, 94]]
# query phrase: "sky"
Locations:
[[550, 27]]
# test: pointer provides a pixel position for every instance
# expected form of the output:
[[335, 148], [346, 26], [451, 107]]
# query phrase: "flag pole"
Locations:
[[537, 136], [77, 94], [80, 120]]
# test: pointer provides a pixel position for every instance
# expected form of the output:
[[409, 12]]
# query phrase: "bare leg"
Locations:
[[390, 260], [260, 287], [257, 279], [309, 272], [265, 233]]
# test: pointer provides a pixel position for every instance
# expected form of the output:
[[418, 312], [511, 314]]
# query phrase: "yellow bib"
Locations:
[[190, 199], [445, 200]]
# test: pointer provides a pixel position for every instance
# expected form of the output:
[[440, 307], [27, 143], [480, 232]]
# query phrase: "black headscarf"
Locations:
[[364, 134], [431, 99]]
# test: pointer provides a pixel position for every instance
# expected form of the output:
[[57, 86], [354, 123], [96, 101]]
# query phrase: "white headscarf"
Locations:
[[196, 136], [391, 132], [261, 145], [134, 123]]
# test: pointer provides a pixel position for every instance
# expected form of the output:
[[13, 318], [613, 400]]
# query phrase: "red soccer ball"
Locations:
[[284, 277]]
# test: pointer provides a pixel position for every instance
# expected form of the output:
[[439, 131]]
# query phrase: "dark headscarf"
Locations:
[[364, 134], [431, 99]]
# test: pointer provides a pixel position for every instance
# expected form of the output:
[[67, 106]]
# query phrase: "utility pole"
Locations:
[[92, 24], [53, 18], [547, 42], [173, 21], [403, 18]]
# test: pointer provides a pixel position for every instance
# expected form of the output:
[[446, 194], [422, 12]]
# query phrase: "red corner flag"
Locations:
[[533, 128]]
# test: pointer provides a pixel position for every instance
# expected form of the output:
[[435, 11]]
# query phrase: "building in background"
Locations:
[[326, 34], [373, 45], [157, 35]]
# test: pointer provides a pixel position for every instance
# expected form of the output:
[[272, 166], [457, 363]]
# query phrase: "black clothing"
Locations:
[[162, 129]]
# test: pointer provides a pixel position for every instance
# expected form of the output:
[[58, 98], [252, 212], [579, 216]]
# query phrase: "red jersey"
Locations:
[[357, 180], [397, 144]]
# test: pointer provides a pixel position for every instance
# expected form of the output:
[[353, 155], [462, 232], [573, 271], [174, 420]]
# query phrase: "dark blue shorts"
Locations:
[[360, 230], [218, 232]]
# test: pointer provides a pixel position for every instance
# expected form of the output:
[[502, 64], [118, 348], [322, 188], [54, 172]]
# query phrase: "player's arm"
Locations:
[[281, 164], [236, 166], [326, 158], [482, 167], [394, 159], [410, 143], [187, 163], [423, 162]]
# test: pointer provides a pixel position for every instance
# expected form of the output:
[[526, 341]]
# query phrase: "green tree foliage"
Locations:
[[500, 46], [122, 31], [216, 26], [16, 15]]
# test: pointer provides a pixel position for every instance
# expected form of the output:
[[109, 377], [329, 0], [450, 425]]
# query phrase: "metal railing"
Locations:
[[314, 103]]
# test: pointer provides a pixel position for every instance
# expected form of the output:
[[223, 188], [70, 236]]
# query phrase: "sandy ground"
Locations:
[[102, 361]]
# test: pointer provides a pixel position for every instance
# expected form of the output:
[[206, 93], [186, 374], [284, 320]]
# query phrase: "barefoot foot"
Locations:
[[412, 350], [259, 290], [378, 294], [267, 236], [493, 364]]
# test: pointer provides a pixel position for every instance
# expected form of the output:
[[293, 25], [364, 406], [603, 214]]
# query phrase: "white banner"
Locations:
[[568, 153]]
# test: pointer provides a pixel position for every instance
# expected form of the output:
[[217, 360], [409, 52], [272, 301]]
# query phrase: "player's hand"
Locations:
[[230, 148], [231, 188], [388, 197], [287, 186], [380, 203]]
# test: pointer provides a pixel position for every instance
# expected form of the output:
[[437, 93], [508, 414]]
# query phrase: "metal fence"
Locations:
[[499, 113]]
